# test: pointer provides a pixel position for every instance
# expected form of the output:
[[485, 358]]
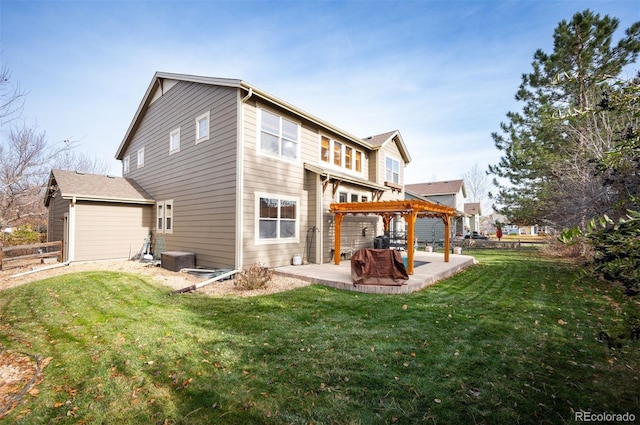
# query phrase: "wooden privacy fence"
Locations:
[[30, 252]]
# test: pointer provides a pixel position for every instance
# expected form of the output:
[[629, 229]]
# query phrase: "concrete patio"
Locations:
[[429, 269]]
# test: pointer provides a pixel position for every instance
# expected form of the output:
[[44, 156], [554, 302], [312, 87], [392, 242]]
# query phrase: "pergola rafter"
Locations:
[[410, 210]]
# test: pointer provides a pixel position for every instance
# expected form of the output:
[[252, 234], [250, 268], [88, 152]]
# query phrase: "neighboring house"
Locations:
[[451, 193], [97, 217], [239, 176], [473, 212]]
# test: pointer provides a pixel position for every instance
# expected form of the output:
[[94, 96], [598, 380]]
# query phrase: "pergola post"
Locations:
[[336, 247], [410, 218], [447, 237]]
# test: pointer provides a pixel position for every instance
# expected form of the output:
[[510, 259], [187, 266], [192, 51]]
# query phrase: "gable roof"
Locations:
[[472, 208], [448, 187], [380, 140], [159, 78], [95, 187]]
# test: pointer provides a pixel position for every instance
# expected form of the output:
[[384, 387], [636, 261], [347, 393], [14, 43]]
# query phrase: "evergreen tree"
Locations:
[[552, 148]]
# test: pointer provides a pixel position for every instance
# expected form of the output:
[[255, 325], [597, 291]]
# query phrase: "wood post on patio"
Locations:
[[336, 248], [447, 237], [410, 218]]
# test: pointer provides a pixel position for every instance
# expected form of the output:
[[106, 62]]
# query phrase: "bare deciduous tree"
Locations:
[[25, 159], [477, 183], [11, 98]]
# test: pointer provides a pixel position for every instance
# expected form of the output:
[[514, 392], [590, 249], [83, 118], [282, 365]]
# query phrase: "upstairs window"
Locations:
[[325, 148], [337, 154], [141, 158], [202, 128], [126, 164], [340, 155], [392, 170], [348, 157], [358, 161], [278, 136], [174, 141]]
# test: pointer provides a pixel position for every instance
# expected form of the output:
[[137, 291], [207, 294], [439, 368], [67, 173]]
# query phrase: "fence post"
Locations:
[[1, 246]]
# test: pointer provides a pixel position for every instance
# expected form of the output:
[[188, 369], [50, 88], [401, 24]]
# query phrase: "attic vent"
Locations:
[[109, 176], [79, 173]]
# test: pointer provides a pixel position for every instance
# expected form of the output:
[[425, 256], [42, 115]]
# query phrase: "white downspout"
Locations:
[[239, 246]]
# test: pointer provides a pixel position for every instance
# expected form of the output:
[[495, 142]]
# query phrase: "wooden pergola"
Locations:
[[410, 210]]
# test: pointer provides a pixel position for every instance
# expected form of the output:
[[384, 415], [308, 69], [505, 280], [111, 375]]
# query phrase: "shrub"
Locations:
[[255, 276], [23, 235], [616, 249]]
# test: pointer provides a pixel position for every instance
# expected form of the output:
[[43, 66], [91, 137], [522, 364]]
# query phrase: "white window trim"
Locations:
[[206, 116], [162, 218], [349, 195], [279, 156], [171, 134], [159, 217], [140, 158], [343, 156], [399, 169], [259, 241], [168, 216], [126, 164]]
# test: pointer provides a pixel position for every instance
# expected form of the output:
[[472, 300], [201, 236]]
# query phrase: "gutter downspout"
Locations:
[[249, 94], [206, 282], [41, 269]]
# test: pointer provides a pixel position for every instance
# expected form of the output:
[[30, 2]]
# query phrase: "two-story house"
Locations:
[[451, 193], [238, 176]]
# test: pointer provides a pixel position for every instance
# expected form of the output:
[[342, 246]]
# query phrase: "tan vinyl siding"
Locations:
[[390, 149], [273, 176], [200, 179], [109, 231]]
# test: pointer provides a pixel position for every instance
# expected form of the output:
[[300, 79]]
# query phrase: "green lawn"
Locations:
[[512, 340]]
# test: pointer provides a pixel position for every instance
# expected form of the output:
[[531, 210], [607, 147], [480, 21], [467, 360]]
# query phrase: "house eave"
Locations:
[[108, 199]]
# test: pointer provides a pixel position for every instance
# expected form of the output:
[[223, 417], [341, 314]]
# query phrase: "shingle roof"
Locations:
[[379, 139], [472, 208], [97, 188], [436, 188]]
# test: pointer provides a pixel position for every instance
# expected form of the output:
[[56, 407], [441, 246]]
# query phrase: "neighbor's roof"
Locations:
[[472, 208], [95, 187], [160, 77], [449, 187]]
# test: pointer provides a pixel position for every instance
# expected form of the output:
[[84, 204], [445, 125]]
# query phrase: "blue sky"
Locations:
[[444, 73]]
